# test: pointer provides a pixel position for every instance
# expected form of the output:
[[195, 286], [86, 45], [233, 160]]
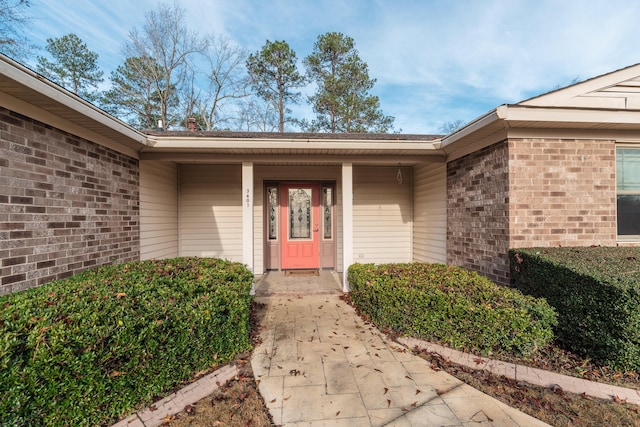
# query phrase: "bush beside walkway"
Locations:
[[451, 305], [91, 348]]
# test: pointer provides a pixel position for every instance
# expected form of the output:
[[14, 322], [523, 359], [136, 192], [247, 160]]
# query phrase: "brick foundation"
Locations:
[[66, 204]]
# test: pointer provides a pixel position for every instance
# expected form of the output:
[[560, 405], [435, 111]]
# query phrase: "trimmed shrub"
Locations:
[[453, 306], [89, 349], [595, 292]]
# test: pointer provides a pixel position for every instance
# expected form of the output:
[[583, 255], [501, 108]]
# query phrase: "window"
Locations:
[[272, 195], [628, 191], [300, 213], [327, 212]]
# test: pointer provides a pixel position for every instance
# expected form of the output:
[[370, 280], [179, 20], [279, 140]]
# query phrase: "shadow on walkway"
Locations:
[[275, 283]]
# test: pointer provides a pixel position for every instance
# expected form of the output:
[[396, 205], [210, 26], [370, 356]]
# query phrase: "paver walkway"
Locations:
[[319, 364]]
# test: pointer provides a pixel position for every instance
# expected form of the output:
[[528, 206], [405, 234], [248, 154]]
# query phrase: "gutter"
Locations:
[[172, 142], [493, 116], [34, 81]]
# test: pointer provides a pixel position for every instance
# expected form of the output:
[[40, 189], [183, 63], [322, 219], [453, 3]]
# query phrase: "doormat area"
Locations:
[[301, 273]]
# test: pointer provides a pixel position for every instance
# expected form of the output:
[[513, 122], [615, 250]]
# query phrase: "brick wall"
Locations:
[[563, 193], [548, 193], [66, 204], [477, 212]]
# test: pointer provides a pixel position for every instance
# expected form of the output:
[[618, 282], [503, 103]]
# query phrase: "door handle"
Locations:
[[315, 228]]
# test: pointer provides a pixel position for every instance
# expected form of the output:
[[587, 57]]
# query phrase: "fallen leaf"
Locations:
[[116, 373], [337, 413], [385, 391], [376, 369], [388, 403], [414, 404], [618, 400], [287, 398], [418, 392], [440, 392], [557, 389], [273, 401], [121, 294], [478, 361]]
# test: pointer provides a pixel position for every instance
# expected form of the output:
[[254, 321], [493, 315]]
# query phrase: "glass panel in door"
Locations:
[[300, 231]]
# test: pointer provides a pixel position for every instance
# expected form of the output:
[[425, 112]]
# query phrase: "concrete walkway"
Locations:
[[319, 364]]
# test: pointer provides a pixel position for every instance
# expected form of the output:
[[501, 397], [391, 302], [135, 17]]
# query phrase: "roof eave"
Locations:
[[39, 85]]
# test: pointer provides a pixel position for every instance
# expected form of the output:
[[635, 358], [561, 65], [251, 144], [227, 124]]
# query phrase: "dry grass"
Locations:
[[237, 403], [554, 407]]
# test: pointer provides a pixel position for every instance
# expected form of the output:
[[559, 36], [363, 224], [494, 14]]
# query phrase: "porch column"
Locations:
[[247, 215], [347, 221]]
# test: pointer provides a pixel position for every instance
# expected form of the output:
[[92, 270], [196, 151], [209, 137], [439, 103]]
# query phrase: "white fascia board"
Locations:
[[510, 114], [571, 115], [38, 83], [265, 143], [479, 123], [30, 110]]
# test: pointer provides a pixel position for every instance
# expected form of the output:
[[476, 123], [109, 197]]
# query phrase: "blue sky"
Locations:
[[435, 61]]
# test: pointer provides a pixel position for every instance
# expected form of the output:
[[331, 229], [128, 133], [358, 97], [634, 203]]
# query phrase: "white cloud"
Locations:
[[435, 60]]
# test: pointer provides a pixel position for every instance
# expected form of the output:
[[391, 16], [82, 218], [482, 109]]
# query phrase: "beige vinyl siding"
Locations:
[[382, 220], [158, 209], [430, 213], [258, 226], [211, 211]]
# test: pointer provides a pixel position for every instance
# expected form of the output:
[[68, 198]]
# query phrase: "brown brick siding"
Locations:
[[525, 193], [66, 204], [563, 193], [477, 212]]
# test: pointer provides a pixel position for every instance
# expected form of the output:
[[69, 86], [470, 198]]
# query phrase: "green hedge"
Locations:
[[89, 349], [595, 292], [453, 306]]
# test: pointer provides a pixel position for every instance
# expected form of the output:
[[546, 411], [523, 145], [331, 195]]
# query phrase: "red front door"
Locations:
[[300, 220]]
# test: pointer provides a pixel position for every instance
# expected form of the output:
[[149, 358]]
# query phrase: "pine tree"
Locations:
[[73, 66], [343, 102], [274, 76]]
